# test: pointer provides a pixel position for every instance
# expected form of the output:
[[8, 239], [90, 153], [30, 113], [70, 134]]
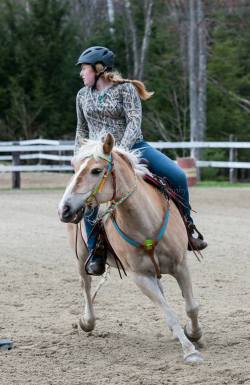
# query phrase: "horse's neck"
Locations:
[[144, 209]]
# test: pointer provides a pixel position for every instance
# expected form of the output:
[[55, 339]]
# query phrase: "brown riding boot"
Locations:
[[195, 243]]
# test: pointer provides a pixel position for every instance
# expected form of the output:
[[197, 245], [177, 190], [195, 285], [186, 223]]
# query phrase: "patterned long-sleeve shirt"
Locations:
[[116, 110]]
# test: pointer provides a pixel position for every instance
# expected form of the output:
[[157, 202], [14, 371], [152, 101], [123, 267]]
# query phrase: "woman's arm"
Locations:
[[133, 114], [82, 131]]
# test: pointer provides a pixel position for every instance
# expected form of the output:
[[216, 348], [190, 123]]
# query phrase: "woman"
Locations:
[[109, 103]]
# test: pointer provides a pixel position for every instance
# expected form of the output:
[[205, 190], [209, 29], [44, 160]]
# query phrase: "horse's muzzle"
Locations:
[[67, 215]]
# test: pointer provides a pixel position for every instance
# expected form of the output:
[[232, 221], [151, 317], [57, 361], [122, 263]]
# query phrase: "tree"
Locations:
[[41, 39], [139, 47], [197, 72], [38, 52]]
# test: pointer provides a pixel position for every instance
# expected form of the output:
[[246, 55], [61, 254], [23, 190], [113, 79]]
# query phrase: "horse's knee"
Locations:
[[85, 282], [81, 283]]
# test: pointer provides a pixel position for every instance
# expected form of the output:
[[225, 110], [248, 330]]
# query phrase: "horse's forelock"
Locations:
[[89, 149]]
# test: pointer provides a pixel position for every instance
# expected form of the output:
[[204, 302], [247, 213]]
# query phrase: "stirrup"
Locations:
[[96, 261], [191, 229], [195, 244]]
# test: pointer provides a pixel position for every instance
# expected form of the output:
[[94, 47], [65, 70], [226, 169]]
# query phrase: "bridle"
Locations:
[[109, 170], [114, 202]]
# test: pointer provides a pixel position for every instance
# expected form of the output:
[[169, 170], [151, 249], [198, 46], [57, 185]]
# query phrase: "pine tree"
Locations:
[[37, 95]]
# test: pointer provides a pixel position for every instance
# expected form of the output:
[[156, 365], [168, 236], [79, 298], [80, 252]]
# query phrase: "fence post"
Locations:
[[16, 176], [232, 158]]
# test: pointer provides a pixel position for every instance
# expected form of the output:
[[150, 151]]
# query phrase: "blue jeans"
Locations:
[[158, 164]]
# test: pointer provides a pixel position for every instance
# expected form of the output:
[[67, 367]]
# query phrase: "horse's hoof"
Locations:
[[193, 357], [86, 327], [194, 337]]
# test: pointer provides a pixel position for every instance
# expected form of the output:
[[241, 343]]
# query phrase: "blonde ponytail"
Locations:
[[115, 77]]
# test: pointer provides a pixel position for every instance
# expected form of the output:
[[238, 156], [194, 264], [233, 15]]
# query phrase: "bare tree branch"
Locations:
[[193, 95], [146, 37], [202, 69], [241, 102], [132, 30], [111, 17]]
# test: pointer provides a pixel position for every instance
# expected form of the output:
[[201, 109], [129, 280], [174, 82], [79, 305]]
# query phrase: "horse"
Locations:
[[135, 210]]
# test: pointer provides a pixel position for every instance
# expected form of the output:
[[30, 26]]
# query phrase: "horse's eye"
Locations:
[[96, 171]]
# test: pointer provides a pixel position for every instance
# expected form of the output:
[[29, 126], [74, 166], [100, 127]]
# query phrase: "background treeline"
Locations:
[[40, 41]]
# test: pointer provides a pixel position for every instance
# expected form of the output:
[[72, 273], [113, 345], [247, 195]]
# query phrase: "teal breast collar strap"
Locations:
[[148, 244]]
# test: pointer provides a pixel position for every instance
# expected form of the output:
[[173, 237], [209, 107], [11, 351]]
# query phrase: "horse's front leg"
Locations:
[[151, 287], [87, 322], [192, 329]]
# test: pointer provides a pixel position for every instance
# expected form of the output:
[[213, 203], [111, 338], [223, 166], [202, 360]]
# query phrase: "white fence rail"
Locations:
[[12, 155]]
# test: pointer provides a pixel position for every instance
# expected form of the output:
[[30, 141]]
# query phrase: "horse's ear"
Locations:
[[108, 144]]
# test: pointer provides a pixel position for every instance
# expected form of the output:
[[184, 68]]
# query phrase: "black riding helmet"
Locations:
[[94, 55]]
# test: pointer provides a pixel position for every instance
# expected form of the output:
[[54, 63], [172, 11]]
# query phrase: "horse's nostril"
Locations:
[[66, 211]]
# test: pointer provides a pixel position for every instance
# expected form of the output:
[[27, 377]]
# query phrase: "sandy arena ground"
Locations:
[[40, 301]]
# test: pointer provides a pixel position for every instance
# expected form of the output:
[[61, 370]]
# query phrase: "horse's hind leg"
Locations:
[[193, 328], [151, 287]]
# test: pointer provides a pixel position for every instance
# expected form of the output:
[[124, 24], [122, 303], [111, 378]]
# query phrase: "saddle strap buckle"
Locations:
[[148, 244]]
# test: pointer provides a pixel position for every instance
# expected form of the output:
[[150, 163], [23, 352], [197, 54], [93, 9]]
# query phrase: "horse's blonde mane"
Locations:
[[93, 148]]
